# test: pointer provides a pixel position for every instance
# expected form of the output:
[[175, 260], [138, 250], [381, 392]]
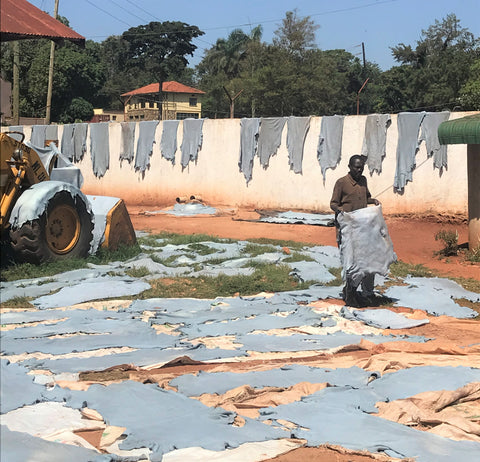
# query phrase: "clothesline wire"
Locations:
[[391, 186]]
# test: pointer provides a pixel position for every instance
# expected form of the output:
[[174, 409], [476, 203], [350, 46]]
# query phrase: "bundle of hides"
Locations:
[[366, 247]]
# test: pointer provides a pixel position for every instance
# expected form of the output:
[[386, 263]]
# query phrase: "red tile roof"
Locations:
[[170, 87], [20, 19]]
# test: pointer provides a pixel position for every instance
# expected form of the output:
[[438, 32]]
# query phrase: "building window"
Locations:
[[142, 104], [151, 105], [193, 101], [186, 115], [114, 117], [142, 116], [131, 117]]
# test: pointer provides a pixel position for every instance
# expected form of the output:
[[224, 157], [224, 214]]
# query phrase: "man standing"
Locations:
[[351, 193]]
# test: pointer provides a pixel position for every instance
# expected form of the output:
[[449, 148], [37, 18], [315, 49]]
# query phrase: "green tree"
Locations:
[[79, 110], [77, 74], [397, 90], [222, 66], [159, 49], [470, 92], [118, 78], [439, 65], [296, 34]]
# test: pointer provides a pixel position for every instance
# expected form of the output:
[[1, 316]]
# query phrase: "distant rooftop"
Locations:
[[169, 87]]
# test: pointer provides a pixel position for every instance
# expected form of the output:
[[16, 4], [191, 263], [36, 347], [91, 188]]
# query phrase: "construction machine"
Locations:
[[44, 214]]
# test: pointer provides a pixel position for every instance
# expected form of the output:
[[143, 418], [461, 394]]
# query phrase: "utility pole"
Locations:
[[363, 54], [358, 95], [50, 72], [16, 83]]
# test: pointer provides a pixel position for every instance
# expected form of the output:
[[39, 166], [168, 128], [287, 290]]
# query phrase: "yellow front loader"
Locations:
[[43, 219]]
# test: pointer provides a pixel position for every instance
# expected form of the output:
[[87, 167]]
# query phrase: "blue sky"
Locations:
[[344, 24]]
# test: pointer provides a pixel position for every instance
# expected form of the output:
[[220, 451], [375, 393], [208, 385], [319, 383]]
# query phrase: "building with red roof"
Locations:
[[21, 20], [178, 102]]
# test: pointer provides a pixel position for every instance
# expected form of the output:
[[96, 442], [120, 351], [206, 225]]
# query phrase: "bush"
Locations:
[[450, 239], [473, 255]]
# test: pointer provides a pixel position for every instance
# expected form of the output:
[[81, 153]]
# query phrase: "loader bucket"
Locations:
[[112, 223]]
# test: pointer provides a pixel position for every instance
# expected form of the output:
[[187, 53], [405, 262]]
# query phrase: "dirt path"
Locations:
[[413, 238]]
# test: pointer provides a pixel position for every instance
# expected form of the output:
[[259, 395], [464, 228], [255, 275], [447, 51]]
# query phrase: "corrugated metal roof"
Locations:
[[460, 131], [21, 20], [170, 87]]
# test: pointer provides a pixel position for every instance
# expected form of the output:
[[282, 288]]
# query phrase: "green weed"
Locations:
[[254, 250], [337, 272], [293, 245], [297, 256], [402, 270], [450, 240], [29, 271], [473, 255], [123, 253], [103, 256], [179, 239], [139, 272], [268, 278], [473, 285], [45, 281], [475, 306], [201, 249], [17, 302]]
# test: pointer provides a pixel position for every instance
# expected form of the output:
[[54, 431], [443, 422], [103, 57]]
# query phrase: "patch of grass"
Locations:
[[17, 302], [337, 272], [103, 256], [139, 272], [45, 281], [29, 271], [254, 250], [475, 306], [180, 239], [473, 285], [297, 256], [170, 261], [201, 249], [123, 253], [268, 278], [217, 261], [257, 264], [401, 269], [293, 245], [151, 241]]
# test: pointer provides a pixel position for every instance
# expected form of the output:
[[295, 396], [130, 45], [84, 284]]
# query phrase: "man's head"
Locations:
[[356, 164]]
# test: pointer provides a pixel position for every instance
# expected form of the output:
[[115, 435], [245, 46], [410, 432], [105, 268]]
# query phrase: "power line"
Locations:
[[140, 8], [128, 11], [249, 24], [108, 13]]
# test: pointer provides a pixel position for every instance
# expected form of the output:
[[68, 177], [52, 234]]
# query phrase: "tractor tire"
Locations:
[[64, 230]]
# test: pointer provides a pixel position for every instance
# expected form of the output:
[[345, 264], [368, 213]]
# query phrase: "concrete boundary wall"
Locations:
[[217, 179]]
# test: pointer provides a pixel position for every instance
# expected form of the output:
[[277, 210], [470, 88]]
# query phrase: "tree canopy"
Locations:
[[434, 72], [289, 76]]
